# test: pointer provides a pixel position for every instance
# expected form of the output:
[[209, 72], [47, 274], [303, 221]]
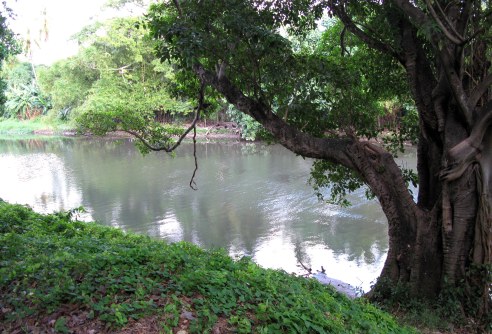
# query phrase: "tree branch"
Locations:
[[479, 90], [342, 41], [455, 39], [369, 40], [413, 12], [145, 142], [421, 19], [417, 16], [452, 75], [366, 159], [448, 22], [465, 16], [331, 149], [456, 85], [439, 94], [167, 149], [192, 126], [475, 34], [192, 181], [178, 7], [201, 101]]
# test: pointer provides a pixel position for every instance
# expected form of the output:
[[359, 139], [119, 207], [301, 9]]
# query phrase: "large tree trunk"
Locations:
[[448, 252]]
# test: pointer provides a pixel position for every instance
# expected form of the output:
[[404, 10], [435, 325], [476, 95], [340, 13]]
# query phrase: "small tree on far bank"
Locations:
[[114, 78]]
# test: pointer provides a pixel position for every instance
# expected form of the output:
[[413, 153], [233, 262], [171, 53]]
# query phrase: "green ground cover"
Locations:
[[40, 124], [71, 276]]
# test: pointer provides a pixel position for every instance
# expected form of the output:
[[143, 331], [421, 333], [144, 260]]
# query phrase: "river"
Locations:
[[252, 200]]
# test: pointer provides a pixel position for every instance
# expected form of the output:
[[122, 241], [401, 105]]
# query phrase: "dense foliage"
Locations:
[[307, 78], [25, 100], [426, 61], [8, 47], [114, 76], [82, 275]]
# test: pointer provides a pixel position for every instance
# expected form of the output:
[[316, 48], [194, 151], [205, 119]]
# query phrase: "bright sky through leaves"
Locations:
[[64, 18]]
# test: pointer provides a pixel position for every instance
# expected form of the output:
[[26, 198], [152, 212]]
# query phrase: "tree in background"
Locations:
[[114, 78], [8, 47], [67, 82], [25, 100], [325, 108]]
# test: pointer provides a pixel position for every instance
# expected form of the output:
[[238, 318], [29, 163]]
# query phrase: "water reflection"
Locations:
[[38, 178], [252, 200]]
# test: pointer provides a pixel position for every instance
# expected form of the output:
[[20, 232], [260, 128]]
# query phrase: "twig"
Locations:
[[455, 39], [309, 270], [192, 181], [168, 149], [450, 25], [178, 7], [201, 101]]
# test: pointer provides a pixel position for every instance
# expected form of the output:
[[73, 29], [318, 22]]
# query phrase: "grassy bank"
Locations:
[[46, 126], [74, 277], [39, 125]]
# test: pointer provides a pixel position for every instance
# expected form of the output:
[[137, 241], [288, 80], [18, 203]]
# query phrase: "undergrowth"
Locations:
[[445, 315], [49, 264]]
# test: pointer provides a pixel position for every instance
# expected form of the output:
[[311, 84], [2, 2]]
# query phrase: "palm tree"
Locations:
[[25, 101]]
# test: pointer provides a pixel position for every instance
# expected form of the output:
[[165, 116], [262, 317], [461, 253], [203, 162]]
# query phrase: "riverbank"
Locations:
[[213, 131], [75, 277], [35, 126], [43, 127]]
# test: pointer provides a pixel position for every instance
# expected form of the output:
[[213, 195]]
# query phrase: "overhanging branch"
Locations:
[[165, 148], [192, 126], [331, 149], [375, 166]]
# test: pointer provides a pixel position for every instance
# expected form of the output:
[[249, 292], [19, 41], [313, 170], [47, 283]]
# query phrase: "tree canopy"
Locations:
[[322, 102]]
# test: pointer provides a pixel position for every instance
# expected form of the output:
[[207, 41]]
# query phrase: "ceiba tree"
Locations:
[[320, 108]]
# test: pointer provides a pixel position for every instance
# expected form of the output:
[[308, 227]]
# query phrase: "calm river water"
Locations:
[[252, 199]]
